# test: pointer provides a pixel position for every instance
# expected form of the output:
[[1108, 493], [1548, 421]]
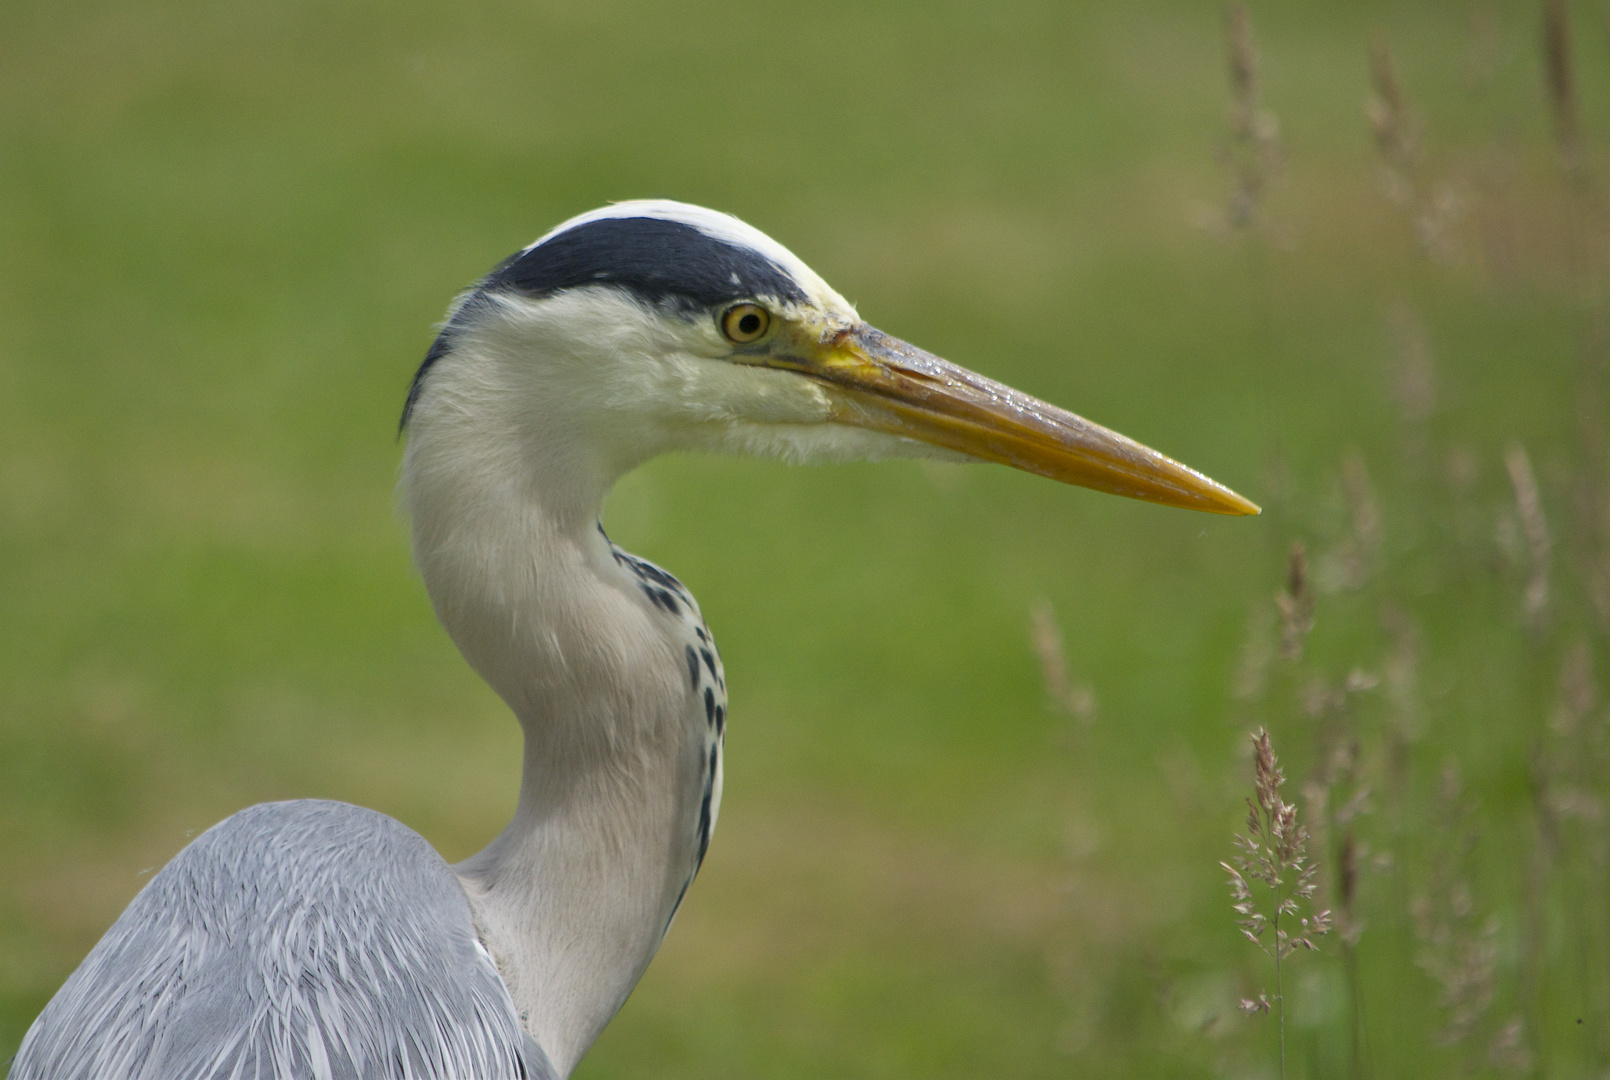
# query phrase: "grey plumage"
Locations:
[[296, 939]]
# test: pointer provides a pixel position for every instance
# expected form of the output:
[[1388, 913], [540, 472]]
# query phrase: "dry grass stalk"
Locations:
[[1540, 859], [1575, 764], [1529, 509], [1348, 566], [1572, 776], [1412, 376], [1406, 718], [1591, 487], [1257, 651], [1398, 138], [1396, 127], [1296, 604], [1569, 770], [1274, 854], [1578, 694], [1065, 695], [1351, 927], [1599, 591], [1254, 153], [1337, 795], [1590, 530], [1457, 948], [1508, 1049], [1560, 80], [1414, 368]]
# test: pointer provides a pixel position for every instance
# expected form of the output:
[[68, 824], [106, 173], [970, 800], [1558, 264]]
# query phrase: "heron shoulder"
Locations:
[[305, 938]]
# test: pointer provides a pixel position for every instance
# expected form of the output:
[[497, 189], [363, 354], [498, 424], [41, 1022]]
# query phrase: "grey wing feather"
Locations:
[[298, 939]]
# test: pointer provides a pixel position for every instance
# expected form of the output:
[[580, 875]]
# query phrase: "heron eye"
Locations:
[[744, 323]]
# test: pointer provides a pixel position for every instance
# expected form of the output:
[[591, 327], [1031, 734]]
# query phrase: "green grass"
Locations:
[[227, 229]]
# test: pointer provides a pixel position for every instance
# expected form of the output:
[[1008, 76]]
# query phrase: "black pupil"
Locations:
[[749, 324]]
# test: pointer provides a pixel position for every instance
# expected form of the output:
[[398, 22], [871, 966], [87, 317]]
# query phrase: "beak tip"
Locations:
[[1240, 506]]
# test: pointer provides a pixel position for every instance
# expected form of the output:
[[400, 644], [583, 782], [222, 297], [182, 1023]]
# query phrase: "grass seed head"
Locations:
[[1255, 151], [1394, 124], [1296, 604], [1274, 853], [1529, 510], [1063, 693]]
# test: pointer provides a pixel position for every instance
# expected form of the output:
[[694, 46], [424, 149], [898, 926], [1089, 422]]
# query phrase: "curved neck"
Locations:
[[573, 897]]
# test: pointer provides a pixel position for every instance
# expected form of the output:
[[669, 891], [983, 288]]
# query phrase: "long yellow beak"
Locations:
[[881, 382]]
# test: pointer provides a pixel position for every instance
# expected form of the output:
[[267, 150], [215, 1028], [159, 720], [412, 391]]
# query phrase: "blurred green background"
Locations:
[[227, 229]]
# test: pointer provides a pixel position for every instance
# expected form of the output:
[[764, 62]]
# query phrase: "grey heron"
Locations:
[[318, 939]]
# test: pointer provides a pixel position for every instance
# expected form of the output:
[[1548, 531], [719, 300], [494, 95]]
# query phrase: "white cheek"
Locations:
[[822, 443], [719, 390]]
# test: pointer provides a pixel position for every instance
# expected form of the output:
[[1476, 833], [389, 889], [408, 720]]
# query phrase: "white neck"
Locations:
[[572, 899]]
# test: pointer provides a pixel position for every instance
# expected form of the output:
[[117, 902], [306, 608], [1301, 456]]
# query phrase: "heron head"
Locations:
[[651, 326]]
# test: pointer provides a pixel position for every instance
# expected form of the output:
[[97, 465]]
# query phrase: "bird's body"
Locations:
[[296, 939], [316, 939]]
